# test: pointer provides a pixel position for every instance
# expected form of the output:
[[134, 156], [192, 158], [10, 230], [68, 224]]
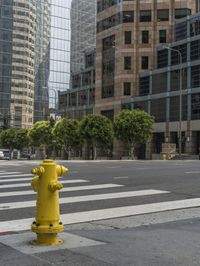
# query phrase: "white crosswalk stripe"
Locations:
[[9, 173], [114, 204], [119, 195], [29, 184]]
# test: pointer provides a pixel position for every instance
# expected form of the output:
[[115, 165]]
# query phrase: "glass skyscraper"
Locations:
[[59, 49], [83, 32], [24, 61]]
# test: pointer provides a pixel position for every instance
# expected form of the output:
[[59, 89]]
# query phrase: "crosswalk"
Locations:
[[95, 201]]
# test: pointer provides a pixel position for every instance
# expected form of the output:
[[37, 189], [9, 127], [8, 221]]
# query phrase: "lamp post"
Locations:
[[180, 98]]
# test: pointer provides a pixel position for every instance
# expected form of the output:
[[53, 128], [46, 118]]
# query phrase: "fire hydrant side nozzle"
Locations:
[[47, 222]]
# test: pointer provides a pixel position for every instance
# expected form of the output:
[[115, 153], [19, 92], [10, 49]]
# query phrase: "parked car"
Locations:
[[27, 156], [5, 155], [1, 155]]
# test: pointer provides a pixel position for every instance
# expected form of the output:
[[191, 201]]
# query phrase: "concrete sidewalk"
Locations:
[[167, 244]]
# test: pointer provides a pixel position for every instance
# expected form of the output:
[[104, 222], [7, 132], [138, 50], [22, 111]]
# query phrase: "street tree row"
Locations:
[[132, 128]]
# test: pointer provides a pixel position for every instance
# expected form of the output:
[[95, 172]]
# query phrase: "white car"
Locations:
[[1, 155]]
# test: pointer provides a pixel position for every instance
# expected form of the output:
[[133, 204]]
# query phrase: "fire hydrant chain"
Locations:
[[47, 222]]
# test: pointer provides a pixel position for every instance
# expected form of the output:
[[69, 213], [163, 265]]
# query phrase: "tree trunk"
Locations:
[[94, 152], [132, 152]]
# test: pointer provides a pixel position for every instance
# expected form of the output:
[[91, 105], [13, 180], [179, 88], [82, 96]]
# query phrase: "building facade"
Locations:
[[128, 33], [24, 49], [83, 32], [79, 101], [159, 90], [59, 76]]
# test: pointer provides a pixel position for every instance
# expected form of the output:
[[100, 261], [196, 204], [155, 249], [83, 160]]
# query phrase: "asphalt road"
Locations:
[[180, 178], [108, 201]]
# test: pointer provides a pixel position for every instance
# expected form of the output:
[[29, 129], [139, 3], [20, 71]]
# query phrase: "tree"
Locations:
[[14, 138], [7, 138], [41, 135], [21, 139], [97, 131], [133, 128], [67, 134]]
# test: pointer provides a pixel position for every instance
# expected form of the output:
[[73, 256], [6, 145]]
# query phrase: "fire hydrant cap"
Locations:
[[48, 161]]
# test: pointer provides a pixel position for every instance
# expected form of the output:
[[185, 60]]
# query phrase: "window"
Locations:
[[145, 36], [145, 62], [182, 12], [195, 50], [163, 15], [144, 86], [108, 113], [162, 36], [145, 15], [162, 58], [127, 62], [159, 83], [108, 91], [158, 109], [128, 16], [195, 106], [127, 88], [127, 37]]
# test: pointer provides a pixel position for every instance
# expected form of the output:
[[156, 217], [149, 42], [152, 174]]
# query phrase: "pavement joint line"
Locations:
[[65, 189], [76, 199], [104, 214]]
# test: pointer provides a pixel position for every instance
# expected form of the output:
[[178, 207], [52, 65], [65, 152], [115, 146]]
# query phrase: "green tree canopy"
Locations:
[[14, 138], [41, 134], [22, 139], [97, 130], [7, 138], [67, 134], [133, 128]]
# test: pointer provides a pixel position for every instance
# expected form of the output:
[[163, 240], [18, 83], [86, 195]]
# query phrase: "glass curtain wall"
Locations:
[[83, 32], [59, 49]]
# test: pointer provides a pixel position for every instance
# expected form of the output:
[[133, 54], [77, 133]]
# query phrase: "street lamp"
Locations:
[[180, 98]]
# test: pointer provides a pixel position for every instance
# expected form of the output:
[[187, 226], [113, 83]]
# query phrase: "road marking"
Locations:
[[193, 172], [118, 195], [29, 184], [112, 167], [14, 180], [5, 175], [95, 215], [9, 180], [120, 177], [65, 189], [9, 173]]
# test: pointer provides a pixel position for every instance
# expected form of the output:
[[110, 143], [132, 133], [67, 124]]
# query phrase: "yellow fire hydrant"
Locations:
[[47, 222]]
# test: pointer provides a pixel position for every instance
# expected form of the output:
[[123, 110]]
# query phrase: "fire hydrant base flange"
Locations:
[[47, 240]]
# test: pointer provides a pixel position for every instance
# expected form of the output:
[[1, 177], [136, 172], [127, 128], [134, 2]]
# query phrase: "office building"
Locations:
[[59, 66], [79, 101], [159, 90], [128, 33], [83, 32], [24, 60]]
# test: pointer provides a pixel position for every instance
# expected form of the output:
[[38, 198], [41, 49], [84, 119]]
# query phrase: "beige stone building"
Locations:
[[128, 33], [24, 56]]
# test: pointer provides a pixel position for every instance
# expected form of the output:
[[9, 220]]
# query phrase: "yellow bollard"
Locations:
[[164, 157], [47, 222]]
